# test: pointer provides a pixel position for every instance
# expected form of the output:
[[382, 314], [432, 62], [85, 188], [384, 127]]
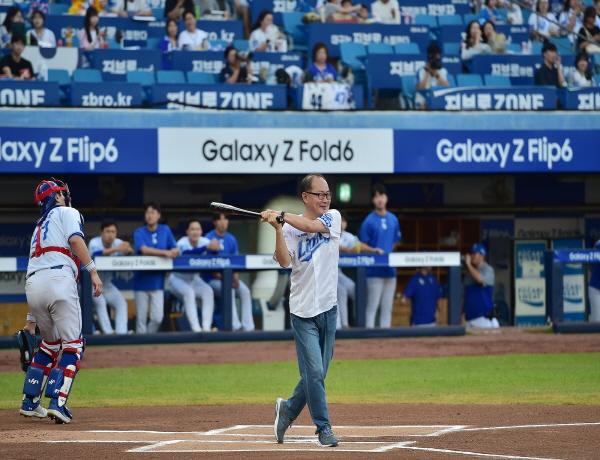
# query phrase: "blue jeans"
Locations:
[[315, 338]]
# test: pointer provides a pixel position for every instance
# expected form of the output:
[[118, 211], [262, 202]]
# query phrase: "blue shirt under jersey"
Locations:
[[424, 292], [478, 298], [228, 247], [161, 238], [381, 232], [595, 269]]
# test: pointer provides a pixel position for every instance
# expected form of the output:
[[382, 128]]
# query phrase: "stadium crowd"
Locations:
[[379, 233], [555, 29]]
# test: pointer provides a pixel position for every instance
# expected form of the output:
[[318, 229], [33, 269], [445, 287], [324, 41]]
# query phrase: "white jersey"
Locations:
[[60, 224], [96, 248], [314, 265], [348, 240], [186, 249]]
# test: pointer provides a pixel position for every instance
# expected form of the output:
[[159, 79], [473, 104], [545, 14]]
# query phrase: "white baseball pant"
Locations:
[[152, 301], [594, 297], [246, 305], [54, 302], [380, 296], [187, 292], [346, 289], [111, 296]]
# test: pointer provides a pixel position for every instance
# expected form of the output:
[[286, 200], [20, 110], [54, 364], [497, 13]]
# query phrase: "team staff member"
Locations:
[[107, 244], [188, 286], [424, 291], [228, 246], [153, 239], [479, 290], [57, 250], [309, 244], [594, 289], [380, 230]]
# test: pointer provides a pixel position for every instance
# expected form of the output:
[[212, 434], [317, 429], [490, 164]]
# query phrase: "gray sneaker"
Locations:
[[282, 422], [327, 437]]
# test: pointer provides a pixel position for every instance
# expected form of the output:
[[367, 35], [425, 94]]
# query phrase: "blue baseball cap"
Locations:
[[478, 248]]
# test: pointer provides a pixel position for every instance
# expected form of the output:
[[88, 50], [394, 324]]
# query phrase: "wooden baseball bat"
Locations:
[[229, 209]]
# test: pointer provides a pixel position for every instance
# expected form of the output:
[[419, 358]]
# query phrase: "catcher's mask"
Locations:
[[45, 193]]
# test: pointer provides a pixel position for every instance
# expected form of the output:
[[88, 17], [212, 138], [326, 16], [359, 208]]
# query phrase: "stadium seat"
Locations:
[[597, 79], [87, 76], [451, 49], [201, 78], [467, 18], [352, 55], [170, 76], [536, 48], [563, 45], [158, 13], [450, 20], [216, 45], [241, 45], [426, 20], [58, 8], [380, 48], [143, 77], [407, 48], [408, 84], [451, 80], [152, 43], [496, 80], [514, 48], [60, 76], [468, 79], [294, 28]]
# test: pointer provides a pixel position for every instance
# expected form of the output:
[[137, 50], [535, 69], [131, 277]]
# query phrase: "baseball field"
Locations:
[[509, 394]]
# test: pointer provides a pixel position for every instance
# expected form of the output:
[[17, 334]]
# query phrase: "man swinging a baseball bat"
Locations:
[[309, 244]]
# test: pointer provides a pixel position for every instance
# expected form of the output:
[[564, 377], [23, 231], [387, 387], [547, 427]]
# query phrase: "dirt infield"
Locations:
[[507, 340], [367, 431]]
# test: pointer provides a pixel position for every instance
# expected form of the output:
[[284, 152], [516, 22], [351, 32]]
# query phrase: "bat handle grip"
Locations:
[[280, 218]]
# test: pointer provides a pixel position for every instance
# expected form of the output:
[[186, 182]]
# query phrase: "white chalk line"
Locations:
[[156, 445], [541, 425], [474, 454]]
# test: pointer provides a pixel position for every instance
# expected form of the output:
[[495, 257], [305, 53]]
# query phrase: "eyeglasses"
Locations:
[[321, 195]]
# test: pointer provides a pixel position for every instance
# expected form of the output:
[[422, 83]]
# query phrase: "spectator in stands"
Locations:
[[597, 7], [479, 290], [80, 7], [381, 231], [495, 40], [153, 239], [126, 8], [571, 18], [176, 9], [236, 69], [228, 246], [90, 37], [474, 43], [40, 35], [215, 9], [266, 36], [432, 74], [594, 289], [551, 71], [320, 70], [192, 38], [424, 291], [364, 16], [15, 66], [589, 34], [13, 24], [40, 5], [349, 17], [489, 13], [107, 244], [543, 24], [580, 76], [169, 42], [187, 286], [386, 11], [332, 9], [514, 15]]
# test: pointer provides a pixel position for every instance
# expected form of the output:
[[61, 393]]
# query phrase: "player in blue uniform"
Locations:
[[479, 290], [380, 230], [229, 247], [424, 291], [594, 289], [153, 239]]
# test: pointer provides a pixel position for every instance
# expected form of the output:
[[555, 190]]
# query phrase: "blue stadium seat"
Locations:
[[563, 45], [170, 76], [87, 76], [61, 76], [451, 80], [426, 20], [112, 43], [467, 18], [241, 45], [496, 80], [536, 48], [294, 28], [408, 84], [217, 45], [468, 79], [152, 43], [407, 48], [597, 79], [514, 48], [158, 13], [451, 49], [201, 78], [380, 48], [352, 55], [450, 20], [58, 8], [143, 77]]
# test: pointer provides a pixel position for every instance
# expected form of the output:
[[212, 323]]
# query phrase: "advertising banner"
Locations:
[[530, 283]]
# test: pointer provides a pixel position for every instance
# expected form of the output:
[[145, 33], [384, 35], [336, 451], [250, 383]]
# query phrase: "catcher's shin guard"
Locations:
[[34, 381], [61, 377]]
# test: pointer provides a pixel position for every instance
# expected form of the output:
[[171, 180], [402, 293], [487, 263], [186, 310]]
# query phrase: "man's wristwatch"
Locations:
[[280, 218]]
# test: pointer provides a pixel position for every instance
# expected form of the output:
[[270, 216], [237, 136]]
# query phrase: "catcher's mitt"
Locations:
[[27, 347]]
